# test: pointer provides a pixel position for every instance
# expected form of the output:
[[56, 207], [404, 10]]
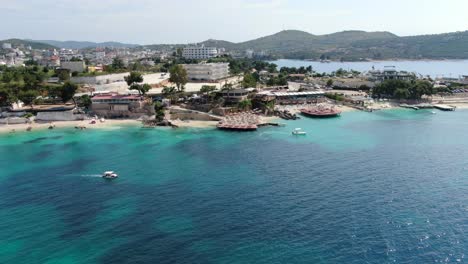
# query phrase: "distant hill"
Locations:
[[354, 45], [85, 44], [33, 44]]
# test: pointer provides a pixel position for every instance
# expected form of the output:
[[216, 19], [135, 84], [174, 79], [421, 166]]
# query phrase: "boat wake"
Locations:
[[92, 175]]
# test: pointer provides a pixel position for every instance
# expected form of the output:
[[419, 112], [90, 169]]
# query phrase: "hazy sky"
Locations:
[[177, 21]]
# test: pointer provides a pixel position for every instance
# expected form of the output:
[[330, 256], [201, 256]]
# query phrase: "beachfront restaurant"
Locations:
[[116, 105], [236, 95]]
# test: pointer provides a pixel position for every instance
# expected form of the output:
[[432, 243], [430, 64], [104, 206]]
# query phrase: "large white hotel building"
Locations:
[[199, 52], [207, 71]]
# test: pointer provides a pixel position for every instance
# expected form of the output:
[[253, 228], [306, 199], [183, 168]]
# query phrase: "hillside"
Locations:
[[354, 45], [33, 44], [85, 44]]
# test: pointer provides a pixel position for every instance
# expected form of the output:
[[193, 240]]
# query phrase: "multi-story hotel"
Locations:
[[207, 71], [199, 52]]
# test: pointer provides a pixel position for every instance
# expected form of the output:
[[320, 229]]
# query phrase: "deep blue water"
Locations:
[[446, 68], [382, 187]]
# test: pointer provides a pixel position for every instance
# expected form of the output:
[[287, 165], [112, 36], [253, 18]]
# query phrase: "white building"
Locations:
[[199, 52], [73, 66], [249, 53], [100, 55], [207, 71], [6, 45]]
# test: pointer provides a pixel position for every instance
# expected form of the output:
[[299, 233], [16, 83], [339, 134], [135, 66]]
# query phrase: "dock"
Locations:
[[417, 106], [445, 107]]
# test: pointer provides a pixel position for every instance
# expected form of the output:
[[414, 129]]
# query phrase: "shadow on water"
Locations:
[[39, 139]]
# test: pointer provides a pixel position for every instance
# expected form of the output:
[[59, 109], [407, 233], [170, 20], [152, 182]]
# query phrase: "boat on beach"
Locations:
[[321, 111], [110, 175]]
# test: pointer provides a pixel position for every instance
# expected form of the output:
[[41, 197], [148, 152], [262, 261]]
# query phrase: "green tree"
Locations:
[[249, 81], [179, 52], [159, 111], [85, 101], [6, 96], [117, 64], [245, 104], [67, 91], [27, 96], [64, 76], [134, 77], [400, 89], [170, 92], [401, 93], [207, 89], [329, 83], [178, 76], [145, 88], [227, 87]]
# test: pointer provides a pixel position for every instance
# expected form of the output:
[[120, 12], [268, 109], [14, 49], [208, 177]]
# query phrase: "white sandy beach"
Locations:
[[183, 124], [67, 124]]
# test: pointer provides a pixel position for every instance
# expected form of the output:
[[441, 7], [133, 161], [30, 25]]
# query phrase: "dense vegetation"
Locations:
[[398, 89], [28, 84]]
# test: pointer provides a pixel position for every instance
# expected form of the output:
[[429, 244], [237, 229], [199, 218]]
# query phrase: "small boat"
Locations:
[[110, 175], [433, 112], [299, 132]]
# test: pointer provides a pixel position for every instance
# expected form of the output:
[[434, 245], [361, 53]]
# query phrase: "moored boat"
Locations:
[[321, 111], [235, 127]]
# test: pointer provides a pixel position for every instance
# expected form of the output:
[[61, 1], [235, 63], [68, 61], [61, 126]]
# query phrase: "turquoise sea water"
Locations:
[[382, 187], [446, 68]]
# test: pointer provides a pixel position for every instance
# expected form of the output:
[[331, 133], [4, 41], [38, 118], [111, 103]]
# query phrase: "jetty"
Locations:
[[417, 106], [443, 107]]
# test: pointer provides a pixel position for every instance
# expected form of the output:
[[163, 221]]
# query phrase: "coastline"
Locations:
[[371, 60], [68, 124], [109, 123]]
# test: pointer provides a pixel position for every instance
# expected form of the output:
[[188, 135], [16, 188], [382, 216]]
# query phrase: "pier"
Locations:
[[441, 107]]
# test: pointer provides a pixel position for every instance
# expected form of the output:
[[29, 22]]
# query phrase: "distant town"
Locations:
[[196, 85]]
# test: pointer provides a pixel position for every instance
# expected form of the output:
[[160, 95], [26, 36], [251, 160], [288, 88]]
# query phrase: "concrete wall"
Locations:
[[184, 114], [101, 79], [58, 116], [73, 66], [14, 120], [12, 114]]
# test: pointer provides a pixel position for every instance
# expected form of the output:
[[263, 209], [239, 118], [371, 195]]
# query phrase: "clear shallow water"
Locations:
[[382, 187], [447, 68]]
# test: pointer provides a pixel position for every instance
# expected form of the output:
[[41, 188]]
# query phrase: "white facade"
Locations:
[[100, 55], [6, 45], [199, 52], [207, 71]]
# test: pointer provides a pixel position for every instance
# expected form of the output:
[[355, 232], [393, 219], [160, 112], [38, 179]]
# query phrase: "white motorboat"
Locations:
[[110, 175], [299, 132]]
